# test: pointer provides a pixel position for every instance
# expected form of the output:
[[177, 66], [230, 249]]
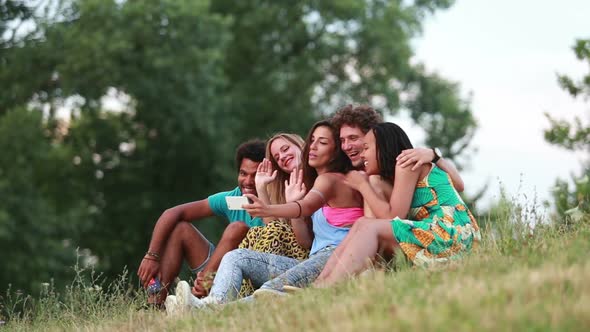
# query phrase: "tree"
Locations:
[[435, 104], [312, 55], [192, 79], [574, 136], [129, 165], [34, 234]]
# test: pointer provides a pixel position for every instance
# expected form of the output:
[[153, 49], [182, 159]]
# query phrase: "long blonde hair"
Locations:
[[276, 189]]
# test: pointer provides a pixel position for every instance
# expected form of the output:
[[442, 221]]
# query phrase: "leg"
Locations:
[[361, 248], [277, 238], [233, 234], [243, 263], [343, 245], [302, 274], [185, 242], [383, 190]]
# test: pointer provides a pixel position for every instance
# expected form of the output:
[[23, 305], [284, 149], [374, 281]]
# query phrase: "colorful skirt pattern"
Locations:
[[440, 227]]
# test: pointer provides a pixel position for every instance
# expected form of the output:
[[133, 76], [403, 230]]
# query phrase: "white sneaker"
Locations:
[[267, 293], [171, 305], [209, 300], [291, 289], [185, 298]]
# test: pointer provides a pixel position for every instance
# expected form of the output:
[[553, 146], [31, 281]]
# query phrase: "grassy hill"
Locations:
[[518, 279]]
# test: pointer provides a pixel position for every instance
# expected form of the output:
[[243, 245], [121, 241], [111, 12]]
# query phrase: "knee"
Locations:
[[363, 223], [367, 227], [234, 256], [235, 231], [181, 230]]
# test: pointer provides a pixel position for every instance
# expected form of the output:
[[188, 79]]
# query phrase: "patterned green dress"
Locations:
[[440, 226]]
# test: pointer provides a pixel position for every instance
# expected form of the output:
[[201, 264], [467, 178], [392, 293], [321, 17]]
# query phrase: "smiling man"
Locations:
[[355, 121], [175, 239]]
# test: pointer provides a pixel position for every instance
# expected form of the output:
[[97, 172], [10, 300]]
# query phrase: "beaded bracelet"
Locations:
[[149, 258], [153, 254]]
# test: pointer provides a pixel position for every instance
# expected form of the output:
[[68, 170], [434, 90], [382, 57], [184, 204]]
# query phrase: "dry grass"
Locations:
[[512, 282]]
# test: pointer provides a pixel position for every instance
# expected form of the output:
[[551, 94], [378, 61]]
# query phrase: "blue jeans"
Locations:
[[265, 271]]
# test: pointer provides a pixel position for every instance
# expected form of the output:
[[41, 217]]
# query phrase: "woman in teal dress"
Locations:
[[425, 216]]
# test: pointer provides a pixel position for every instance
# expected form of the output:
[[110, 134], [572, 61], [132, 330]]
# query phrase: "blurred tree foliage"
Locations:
[[574, 136], [31, 227], [130, 107]]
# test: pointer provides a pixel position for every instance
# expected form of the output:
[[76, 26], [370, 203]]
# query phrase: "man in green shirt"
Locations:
[[175, 239]]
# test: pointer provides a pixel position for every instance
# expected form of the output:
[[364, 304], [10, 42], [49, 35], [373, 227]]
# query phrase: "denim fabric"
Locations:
[[244, 263], [266, 270], [325, 235], [202, 266], [304, 273]]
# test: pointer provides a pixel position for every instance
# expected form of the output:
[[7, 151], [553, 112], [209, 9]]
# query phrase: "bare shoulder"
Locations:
[[330, 184], [330, 177], [408, 170], [380, 185], [376, 179], [418, 173]]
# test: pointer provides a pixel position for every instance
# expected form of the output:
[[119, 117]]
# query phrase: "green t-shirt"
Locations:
[[218, 205]]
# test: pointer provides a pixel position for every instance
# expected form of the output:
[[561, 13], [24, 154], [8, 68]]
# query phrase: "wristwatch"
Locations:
[[437, 155]]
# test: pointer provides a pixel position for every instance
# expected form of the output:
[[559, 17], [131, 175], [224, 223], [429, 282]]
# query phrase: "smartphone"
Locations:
[[236, 202]]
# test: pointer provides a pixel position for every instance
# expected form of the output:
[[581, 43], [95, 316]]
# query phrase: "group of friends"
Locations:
[[320, 210]]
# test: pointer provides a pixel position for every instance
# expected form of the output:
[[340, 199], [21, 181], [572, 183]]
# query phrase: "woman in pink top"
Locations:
[[324, 168], [327, 187]]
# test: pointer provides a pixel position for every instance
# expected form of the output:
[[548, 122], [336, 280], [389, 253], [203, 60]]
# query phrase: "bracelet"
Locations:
[[153, 254], [299, 205], [151, 258]]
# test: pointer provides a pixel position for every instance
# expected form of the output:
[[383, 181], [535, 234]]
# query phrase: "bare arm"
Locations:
[[404, 186], [170, 217], [302, 208], [382, 188], [262, 193], [303, 231], [401, 197], [448, 166], [264, 176], [375, 204], [150, 264], [294, 191], [420, 156]]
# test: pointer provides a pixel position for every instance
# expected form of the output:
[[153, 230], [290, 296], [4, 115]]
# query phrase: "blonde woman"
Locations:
[[279, 236], [330, 202]]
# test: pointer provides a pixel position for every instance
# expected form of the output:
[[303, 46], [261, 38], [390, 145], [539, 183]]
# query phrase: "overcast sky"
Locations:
[[507, 54]]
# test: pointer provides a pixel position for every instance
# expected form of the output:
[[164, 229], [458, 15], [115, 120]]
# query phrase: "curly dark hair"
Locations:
[[361, 116], [252, 149], [390, 141], [340, 162]]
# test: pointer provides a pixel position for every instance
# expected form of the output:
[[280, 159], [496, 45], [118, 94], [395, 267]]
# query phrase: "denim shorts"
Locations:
[[202, 265]]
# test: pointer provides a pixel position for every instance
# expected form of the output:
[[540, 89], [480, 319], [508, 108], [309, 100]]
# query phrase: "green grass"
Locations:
[[516, 280]]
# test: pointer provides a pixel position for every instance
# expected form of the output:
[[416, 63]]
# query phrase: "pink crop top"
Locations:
[[342, 217]]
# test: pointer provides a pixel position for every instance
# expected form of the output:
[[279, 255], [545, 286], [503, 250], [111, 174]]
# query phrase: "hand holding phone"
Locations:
[[236, 202]]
